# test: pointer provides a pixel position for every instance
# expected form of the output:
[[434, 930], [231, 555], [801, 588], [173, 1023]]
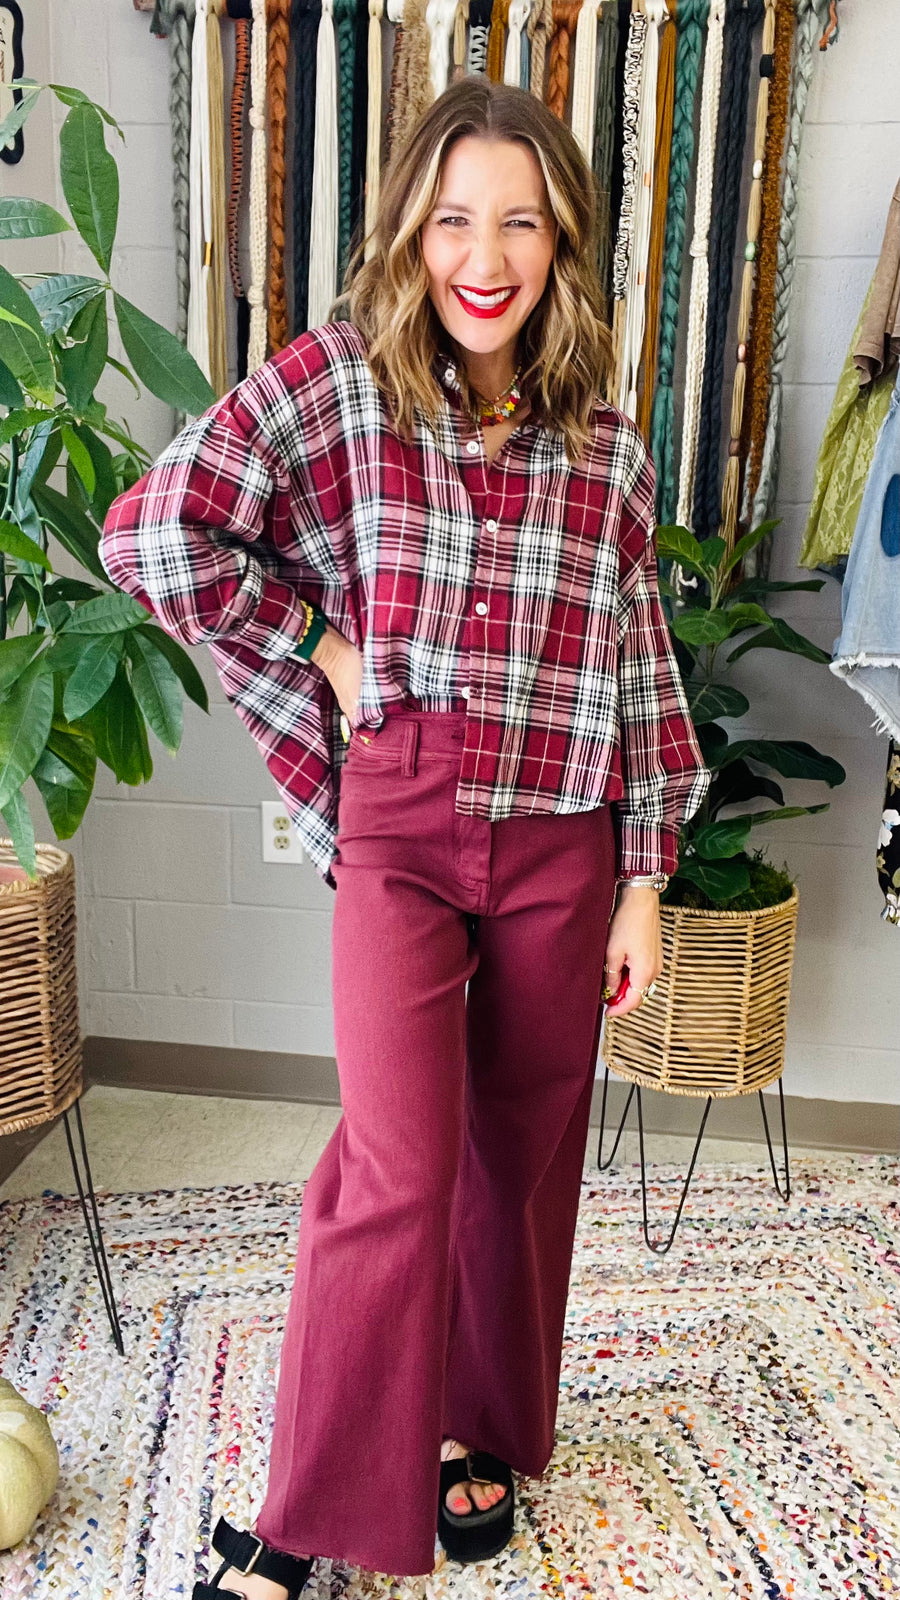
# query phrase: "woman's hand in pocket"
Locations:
[[342, 664]]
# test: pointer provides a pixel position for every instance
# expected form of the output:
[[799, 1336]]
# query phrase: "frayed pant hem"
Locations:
[[364, 1563]]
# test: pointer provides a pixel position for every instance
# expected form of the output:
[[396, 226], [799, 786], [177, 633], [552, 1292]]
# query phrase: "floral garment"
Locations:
[[887, 859]]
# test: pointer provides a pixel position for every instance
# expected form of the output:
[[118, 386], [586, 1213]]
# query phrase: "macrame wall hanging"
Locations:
[[690, 113]]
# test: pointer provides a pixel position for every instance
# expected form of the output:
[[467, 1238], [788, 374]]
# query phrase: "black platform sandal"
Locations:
[[249, 1553], [476, 1535]]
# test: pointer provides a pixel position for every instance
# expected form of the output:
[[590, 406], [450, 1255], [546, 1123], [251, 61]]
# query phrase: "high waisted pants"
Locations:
[[437, 1227]]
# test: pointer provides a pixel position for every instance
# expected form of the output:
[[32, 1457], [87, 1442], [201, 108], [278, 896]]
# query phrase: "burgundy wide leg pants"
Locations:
[[437, 1227]]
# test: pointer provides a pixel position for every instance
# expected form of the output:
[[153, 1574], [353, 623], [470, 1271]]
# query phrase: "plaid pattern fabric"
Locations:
[[524, 592]]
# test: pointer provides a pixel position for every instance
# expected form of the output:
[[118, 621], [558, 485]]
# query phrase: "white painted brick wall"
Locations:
[[185, 934]]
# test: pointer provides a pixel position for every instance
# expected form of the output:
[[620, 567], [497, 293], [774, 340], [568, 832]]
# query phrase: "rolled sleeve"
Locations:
[[190, 541]]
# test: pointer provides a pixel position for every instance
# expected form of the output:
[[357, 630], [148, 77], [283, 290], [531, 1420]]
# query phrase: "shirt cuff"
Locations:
[[278, 622], [646, 847]]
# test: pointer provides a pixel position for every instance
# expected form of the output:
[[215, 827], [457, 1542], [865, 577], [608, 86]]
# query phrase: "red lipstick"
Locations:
[[483, 311]]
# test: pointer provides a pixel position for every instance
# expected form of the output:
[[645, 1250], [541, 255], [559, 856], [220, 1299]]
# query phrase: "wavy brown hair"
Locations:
[[565, 346]]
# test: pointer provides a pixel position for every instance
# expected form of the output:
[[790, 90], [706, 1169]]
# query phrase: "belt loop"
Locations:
[[410, 745]]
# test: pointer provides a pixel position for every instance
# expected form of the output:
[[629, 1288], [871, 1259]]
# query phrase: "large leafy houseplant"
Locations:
[[715, 618], [87, 673]]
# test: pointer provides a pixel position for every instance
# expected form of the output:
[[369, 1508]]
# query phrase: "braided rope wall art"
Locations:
[[660, 97]]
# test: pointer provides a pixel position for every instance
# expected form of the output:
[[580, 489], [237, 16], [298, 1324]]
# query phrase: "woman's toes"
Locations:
[[463, 1496], [483, 1496]]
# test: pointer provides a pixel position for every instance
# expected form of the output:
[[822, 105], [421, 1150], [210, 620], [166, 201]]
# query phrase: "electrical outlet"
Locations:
[[280, 840]]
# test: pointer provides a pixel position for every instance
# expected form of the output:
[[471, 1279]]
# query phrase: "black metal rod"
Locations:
[[784, 1194], [115, 1315], [660, 1249], [100, 1261], [602, 1165]]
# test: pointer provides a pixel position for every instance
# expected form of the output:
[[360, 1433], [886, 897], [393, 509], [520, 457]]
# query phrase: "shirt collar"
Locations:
[[444, 370]]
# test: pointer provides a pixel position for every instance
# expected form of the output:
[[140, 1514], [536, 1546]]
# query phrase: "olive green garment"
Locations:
[[845, 456]]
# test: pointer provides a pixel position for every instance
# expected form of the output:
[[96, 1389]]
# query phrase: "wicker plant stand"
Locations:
[[715, 1025], [40, 1040]]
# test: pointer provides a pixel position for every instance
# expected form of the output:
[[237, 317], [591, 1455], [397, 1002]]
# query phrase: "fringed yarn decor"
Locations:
[[259, 187], [699, 294], [690, 21], [634, 319], [730, 484], [218, 241], [727, 1422], [604, 132], [305, 17], [239, 87], [625, 75], [539, 29], [665, 112], [631, 107], [741, 19], [278, 14], [759, 349], [806, 33]]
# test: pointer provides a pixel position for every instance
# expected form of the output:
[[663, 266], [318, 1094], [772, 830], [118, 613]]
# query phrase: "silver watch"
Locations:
[[647, 880]]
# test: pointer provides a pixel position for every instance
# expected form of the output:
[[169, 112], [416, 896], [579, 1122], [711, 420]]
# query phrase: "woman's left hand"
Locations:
[[634, 941]]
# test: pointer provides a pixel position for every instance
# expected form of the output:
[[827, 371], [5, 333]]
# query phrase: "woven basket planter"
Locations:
[[40, 1039], [716, 1024]]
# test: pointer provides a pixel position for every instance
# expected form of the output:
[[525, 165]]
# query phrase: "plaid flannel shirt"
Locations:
[[523, 592]]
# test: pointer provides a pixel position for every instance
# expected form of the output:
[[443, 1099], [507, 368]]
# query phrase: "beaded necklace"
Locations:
[[503, 407]]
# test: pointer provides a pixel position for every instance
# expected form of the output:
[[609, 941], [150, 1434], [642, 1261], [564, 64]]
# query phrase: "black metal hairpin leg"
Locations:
[[97, 1248], [783, 1194], [660, 1248], [600, 1161]]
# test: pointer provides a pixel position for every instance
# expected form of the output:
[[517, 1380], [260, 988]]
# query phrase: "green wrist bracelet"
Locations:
[[313, 633]]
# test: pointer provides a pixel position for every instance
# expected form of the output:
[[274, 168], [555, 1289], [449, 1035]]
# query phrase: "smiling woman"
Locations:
[[492, 195], [491, 261], [504, 246], [424, 518]]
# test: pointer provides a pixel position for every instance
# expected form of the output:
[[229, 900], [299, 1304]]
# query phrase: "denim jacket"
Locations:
[[867, 654]]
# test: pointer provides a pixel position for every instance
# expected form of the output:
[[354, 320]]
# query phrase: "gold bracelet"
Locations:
[[309, 618]]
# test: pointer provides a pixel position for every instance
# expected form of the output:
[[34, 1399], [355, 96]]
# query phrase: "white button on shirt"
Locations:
[[491, 525], [465, 692], [481, 608], [473, 447]]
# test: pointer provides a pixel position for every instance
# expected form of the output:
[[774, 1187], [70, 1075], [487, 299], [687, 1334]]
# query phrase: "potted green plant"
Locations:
[[716, 1022], [84, 674], [706, 614]]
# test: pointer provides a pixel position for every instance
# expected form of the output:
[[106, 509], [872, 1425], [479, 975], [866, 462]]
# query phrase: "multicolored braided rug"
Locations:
[[728, 1419]]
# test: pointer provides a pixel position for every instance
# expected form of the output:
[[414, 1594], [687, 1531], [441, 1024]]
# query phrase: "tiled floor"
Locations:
[[139, 1140]]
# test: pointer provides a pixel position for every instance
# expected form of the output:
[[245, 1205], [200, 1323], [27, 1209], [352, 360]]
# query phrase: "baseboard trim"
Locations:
[[853, 1125]]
